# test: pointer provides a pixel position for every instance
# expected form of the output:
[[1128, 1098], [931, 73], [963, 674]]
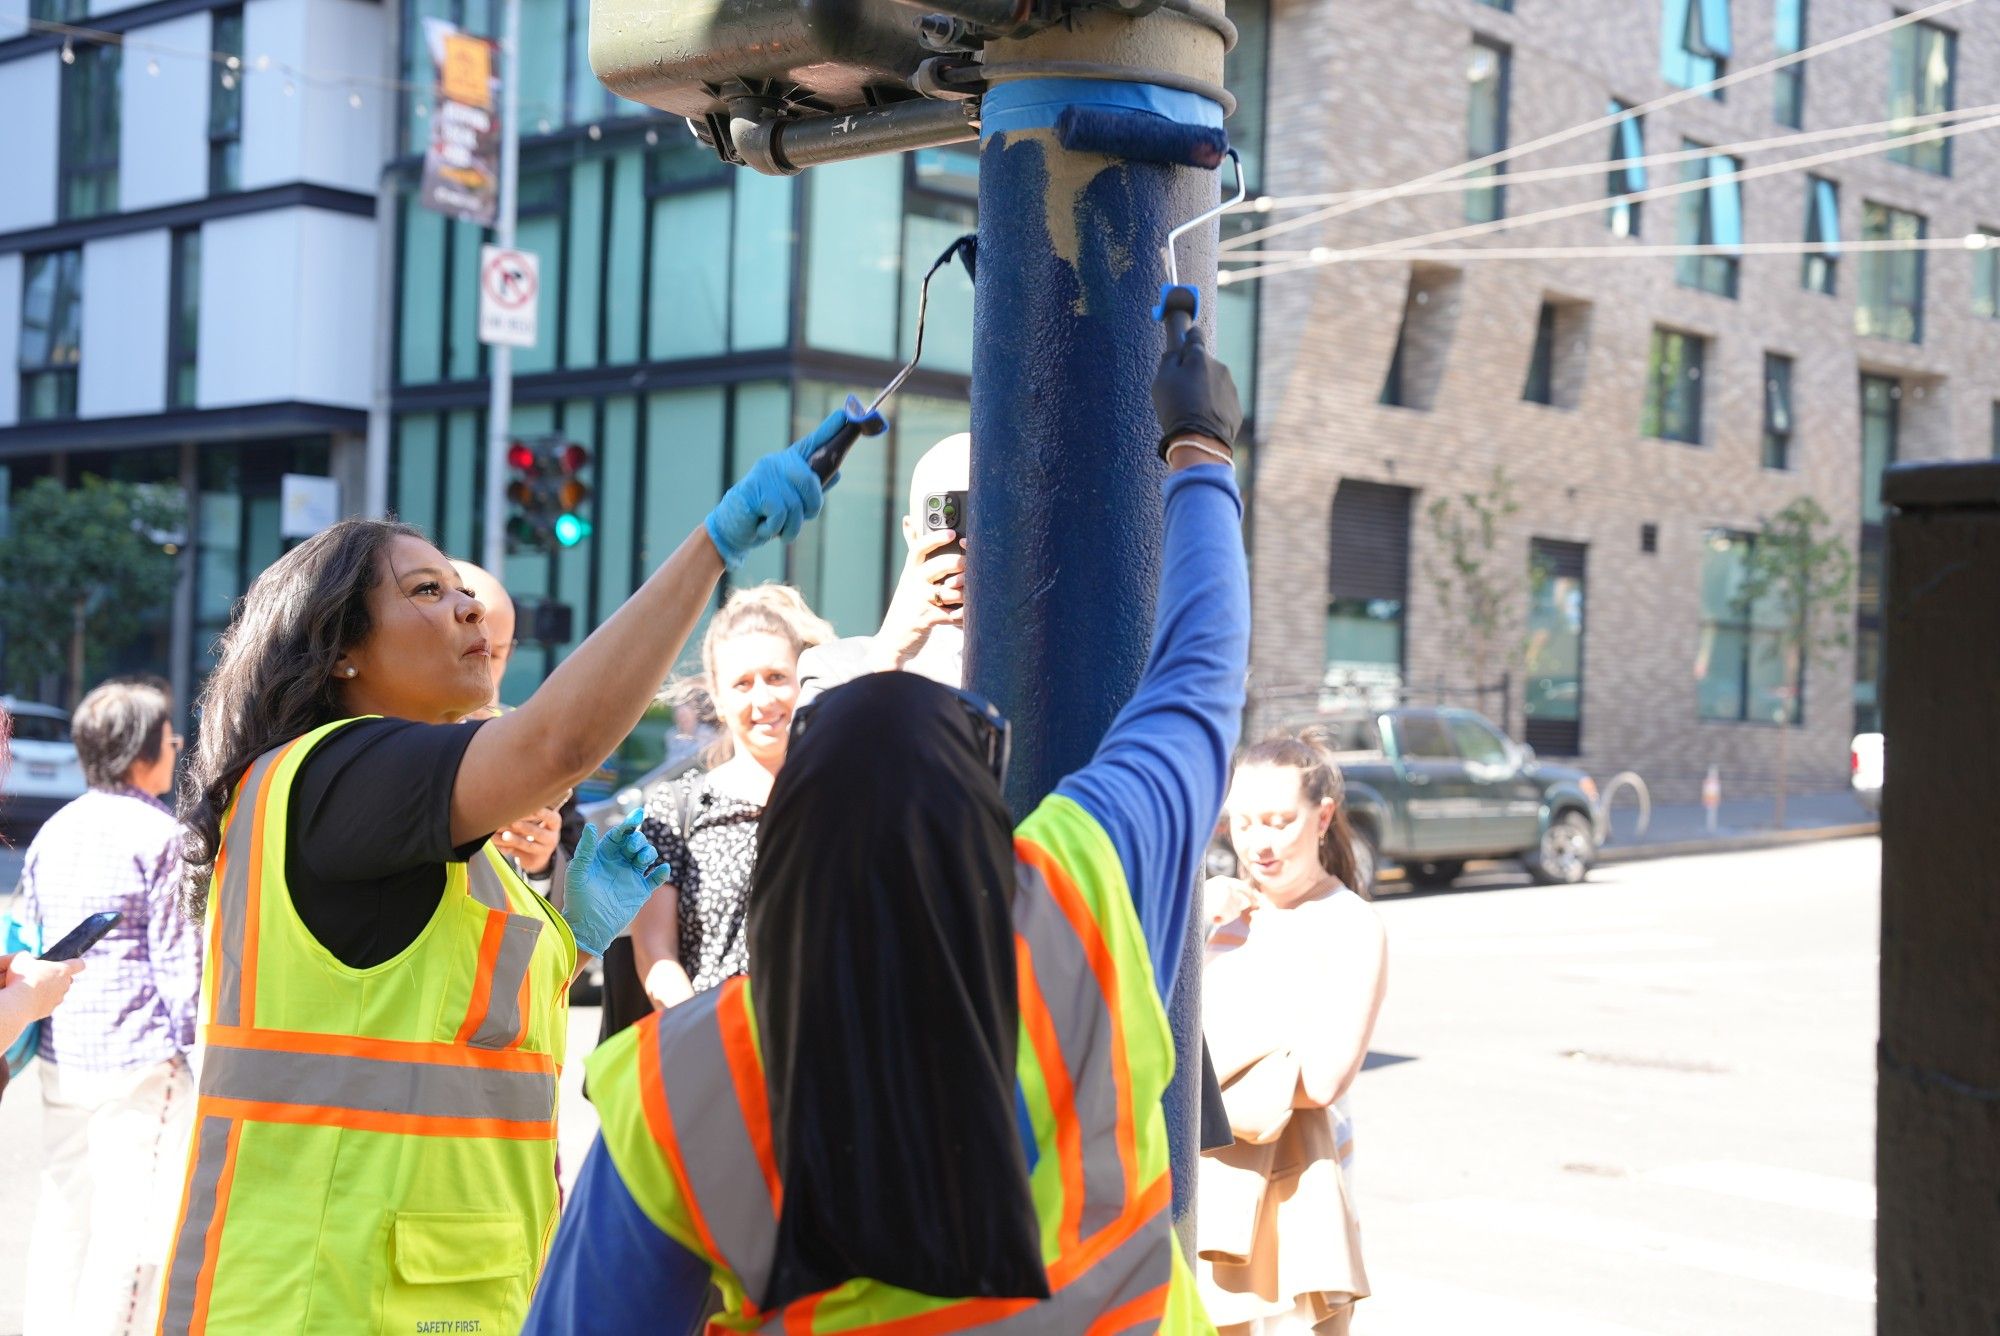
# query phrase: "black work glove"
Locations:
[[1194, 395]]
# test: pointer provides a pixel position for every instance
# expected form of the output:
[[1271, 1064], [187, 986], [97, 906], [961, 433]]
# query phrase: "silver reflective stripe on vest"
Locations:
[[211, 1152], [1083, 1028], [716, 1151], [230, 894], [376, 1085], [483, 880], [502, 1022]]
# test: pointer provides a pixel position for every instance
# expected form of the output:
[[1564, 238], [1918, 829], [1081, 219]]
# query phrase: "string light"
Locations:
[[1590, 127], [1899, 125], [354, 101], [1596, 205], [68, 52], [153, 68]]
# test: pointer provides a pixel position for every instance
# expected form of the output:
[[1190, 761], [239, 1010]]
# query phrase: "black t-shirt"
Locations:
[[371, 832]]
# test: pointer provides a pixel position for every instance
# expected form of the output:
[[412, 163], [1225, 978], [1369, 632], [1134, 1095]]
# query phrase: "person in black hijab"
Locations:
[[937, 1094]]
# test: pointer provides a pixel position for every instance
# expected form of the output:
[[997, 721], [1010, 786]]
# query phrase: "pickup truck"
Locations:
[[1432, 788]]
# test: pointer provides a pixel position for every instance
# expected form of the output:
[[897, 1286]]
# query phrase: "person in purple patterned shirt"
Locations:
[[117, 1093]]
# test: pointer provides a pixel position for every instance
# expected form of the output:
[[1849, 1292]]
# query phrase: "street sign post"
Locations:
[[509, 296]]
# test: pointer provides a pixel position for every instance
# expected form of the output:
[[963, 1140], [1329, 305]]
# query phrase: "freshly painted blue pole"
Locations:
[[1064, 542]]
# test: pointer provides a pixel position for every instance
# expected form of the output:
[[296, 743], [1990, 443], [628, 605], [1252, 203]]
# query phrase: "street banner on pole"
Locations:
[[509, 289], [462, 163]]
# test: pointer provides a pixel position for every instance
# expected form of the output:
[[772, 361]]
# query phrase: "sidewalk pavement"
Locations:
[[1745, 823]]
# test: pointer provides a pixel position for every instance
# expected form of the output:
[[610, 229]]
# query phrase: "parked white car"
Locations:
[[1864, 762], [44, 773]]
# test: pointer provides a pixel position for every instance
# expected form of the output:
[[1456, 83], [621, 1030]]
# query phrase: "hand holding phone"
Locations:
[[946, 510], [83, 936]]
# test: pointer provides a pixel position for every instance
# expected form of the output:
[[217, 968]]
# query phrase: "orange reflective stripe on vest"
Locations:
[[495, 1017]]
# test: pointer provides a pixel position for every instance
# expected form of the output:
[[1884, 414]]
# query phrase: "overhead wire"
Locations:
[[1796, 138], [1604, 122], [1321, 255], [1974, 241]]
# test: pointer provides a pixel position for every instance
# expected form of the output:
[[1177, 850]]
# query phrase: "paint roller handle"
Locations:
[[831, 447], [1178, 308]]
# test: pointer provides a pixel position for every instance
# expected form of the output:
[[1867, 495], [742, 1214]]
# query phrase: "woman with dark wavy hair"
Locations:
[[385, 1000]]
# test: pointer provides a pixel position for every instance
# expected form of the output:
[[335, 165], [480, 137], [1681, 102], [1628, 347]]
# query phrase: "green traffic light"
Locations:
[[571, 529]]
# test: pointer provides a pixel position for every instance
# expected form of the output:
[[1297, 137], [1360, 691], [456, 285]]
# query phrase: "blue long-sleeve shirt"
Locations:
[[1155, 785]]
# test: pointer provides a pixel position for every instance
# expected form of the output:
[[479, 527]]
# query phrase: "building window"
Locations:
[[1892, 282], [1777, 411], [1673, 387], [1921, 61], [1562, 343], [1423, 341], [1788, 106], [1628, 149], [1245, 72], [89, 149], [1986, 276], [1541, 386], [225, 105], [1487, 70], [184, 318], [1822, 226], [1506, 6], [1881, 430], [1367, 588], [1553, 655], [1710, 217], [51, 334], [1743, 670], [1694, 42], [56, 11]]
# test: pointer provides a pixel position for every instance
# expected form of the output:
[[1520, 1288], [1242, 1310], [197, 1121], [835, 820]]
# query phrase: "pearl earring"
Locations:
[[350, 672]]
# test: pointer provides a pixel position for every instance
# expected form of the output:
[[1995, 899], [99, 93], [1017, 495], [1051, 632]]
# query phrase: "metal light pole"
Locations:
[[500, 357], [1065, 535]]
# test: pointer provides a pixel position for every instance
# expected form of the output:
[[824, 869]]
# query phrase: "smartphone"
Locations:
[[83, 936], [946, 510]]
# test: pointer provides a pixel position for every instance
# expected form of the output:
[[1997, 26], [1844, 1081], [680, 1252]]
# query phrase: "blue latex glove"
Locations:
[[608, 882], [780, 493]]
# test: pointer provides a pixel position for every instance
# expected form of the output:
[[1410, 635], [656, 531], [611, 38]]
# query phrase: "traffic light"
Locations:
[[546, 494]]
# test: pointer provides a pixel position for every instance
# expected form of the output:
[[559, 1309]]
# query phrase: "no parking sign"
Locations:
[[509, 291]]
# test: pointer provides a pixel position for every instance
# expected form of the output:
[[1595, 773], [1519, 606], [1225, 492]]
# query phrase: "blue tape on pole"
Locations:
[[1034, 104]]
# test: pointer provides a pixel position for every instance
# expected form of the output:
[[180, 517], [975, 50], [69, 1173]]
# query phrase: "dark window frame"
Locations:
[[1559, 737], [60, 373], [183, 317], [1540, 387], [1718, 275], [225, 104], [1888, 214], [1626, 137], [90, 105], [1658, 414], [1488, 203], [1744, 622], [1820, 271], [1780, 412], [1906, 154], [1986, 269], [1789, 84]]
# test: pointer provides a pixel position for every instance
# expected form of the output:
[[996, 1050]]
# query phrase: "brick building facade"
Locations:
[[1637, 527]]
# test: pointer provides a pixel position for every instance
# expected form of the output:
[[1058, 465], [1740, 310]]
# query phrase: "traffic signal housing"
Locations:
[[546, 494]]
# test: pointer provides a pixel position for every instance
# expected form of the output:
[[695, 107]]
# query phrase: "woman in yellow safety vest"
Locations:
[[385, 1000], [934, 1104]]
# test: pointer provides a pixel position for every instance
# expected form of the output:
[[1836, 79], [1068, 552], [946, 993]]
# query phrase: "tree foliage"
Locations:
[[1799, 565], [82, 571], [1472, 588]]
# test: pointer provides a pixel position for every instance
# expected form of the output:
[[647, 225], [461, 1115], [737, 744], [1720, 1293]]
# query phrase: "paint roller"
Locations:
[[1144, 136]]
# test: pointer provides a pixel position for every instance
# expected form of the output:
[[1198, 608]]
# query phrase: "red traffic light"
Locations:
[[574, 458], [520, 456]]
